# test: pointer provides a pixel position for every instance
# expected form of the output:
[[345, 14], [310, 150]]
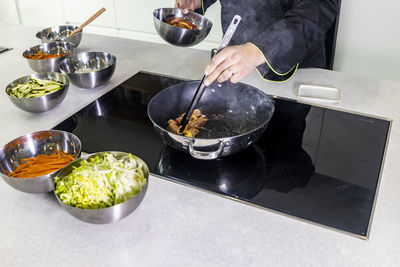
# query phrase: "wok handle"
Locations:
[[207, 155]]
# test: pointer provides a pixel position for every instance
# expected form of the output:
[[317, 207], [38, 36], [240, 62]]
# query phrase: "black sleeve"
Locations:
[[285, 43], [205, 4]]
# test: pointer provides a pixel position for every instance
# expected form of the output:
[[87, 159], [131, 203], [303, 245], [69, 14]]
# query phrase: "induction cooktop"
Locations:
[[312, 163]]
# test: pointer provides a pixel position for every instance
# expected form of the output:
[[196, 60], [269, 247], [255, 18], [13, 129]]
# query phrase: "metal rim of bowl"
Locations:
[[38, 132], [76, 57], [95, 154], [41, 46], [63, 87], [40, 36], [190, 12]]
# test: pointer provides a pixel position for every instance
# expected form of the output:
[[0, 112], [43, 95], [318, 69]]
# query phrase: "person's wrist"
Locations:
[[257, 58], [198, 3]]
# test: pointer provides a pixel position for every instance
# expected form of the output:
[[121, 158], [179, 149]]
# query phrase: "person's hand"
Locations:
[[187, 5], [233, 63]]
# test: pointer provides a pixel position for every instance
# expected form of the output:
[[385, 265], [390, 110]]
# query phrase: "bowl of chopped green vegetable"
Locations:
[[103, 187], [38, 92]]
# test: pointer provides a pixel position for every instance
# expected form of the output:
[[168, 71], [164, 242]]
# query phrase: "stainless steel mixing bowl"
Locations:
[[32, 145], [60, 33], [104, 215], [41, 103], [90, 69], [179, 36], [46, 65]]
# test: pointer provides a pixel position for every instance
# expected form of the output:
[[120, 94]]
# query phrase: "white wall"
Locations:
[[368, 40], [105, 24], [8, 11], [40, 13]]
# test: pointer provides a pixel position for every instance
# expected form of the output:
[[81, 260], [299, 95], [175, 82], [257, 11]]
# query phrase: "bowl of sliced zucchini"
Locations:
[[38, 92]]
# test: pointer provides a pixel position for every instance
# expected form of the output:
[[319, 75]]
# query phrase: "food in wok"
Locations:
[[196, 122]]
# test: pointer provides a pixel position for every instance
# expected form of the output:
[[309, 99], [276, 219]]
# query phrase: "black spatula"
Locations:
[[201, 87]]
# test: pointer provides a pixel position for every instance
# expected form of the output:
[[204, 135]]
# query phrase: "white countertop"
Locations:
[[176, 225]]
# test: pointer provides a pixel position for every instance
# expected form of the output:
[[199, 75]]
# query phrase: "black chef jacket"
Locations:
[[289, 33]]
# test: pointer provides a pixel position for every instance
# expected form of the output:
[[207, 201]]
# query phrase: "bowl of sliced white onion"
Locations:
[[89, 69]]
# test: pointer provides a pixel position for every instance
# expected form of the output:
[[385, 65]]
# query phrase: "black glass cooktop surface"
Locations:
[[312, 163]]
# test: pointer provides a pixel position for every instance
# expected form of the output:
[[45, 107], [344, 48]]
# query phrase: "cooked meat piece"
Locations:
[[181, 23], [199, 122], [196, 122], [196, 113], [173, 21], [173, 126]]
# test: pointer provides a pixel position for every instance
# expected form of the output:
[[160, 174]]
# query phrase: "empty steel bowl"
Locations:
[[179, 36], [60, 33], [104, 215], [47, 65], [41, 103], [90, 69], [32, 145]]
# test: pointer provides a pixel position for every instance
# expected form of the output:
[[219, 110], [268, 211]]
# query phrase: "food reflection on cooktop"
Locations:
[[196, 122], [181, 23]]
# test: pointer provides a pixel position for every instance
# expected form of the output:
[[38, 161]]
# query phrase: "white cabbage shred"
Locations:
[[102, 181]]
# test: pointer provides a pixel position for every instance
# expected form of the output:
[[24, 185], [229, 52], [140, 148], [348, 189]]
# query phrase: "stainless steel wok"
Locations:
[[238, 114]]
